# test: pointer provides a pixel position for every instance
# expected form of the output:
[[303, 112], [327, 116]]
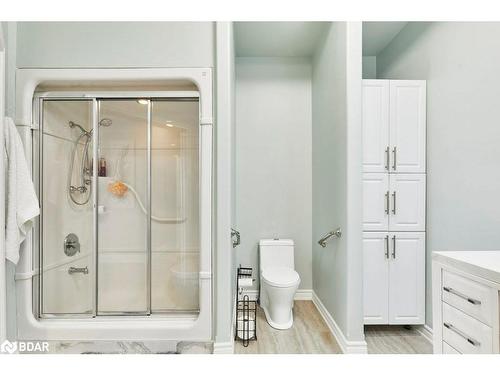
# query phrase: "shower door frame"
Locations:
[[153, 327], [95, 99]]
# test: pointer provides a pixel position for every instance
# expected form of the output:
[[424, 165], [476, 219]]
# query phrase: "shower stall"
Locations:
[[122, 247]]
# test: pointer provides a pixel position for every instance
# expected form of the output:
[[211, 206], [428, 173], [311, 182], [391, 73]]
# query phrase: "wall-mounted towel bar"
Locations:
[[334, 233]]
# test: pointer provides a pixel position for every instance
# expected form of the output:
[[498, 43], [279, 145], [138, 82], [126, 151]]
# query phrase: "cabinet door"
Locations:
[[407, 278], [407, 126], [375, 125], [375, 201], [407, 202], [376, 278]]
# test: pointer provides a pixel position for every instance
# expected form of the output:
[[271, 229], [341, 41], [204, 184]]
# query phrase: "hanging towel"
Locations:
[[20, 198]]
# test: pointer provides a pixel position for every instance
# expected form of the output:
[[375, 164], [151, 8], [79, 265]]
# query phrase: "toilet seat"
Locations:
[[280, 277]]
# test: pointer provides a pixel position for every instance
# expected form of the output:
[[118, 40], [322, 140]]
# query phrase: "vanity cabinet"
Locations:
[[394, 286], [465, 302], [394, 201]]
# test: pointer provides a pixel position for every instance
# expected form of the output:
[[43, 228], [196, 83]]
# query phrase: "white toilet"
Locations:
[[278, 282]]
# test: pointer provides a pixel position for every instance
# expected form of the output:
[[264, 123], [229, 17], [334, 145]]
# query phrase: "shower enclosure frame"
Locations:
[[96, 98], [113, 327]]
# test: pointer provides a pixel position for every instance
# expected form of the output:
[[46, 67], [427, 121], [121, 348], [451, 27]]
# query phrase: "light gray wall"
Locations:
[[336, 175], [460, 62], [273, 157], [115, 44], [225, 274], [369, 67]]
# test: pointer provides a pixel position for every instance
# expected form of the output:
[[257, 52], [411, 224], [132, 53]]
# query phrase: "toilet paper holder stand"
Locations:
[[246, 309]]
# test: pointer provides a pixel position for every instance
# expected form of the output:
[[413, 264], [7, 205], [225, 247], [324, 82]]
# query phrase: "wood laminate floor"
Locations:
[[310, 335], [396, 340]]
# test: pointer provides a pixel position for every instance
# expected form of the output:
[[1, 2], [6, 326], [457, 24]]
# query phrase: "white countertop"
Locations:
[[485, 264]]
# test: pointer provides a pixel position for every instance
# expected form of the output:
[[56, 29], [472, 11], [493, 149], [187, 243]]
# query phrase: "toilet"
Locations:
[[278, 281]]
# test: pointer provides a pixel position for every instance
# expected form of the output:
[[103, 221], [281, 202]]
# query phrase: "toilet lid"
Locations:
[[280, 276]]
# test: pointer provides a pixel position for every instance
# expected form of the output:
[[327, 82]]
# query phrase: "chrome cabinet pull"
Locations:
[[394, 247], [387, 202], [470, 340], [387, 247], [394, 158], [84, 270], [387, 158], [394, 202], [461, 295]]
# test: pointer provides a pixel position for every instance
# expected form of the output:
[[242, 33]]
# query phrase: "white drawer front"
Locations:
[[473, 298], [448, 349], [466, 334]]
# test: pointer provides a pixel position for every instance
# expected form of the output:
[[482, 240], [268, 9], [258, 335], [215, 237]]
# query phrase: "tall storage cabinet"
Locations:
[[394, 189]]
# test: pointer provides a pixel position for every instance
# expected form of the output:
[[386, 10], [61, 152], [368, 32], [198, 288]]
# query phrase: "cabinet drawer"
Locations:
[[471, 297], [448, 349], [466, 334]]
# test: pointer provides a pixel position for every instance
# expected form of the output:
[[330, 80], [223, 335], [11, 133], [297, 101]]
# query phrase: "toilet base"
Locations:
[[286, 325]]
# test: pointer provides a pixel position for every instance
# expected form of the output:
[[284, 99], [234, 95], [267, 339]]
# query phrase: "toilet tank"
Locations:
[[276, 253]]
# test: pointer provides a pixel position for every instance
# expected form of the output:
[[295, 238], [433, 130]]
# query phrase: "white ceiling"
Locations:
[[377, 35], [277, 39]]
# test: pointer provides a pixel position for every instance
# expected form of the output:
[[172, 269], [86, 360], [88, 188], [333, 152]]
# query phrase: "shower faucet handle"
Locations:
[[71, 245]]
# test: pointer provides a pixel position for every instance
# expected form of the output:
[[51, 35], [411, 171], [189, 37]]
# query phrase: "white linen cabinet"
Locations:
[[394, 198]]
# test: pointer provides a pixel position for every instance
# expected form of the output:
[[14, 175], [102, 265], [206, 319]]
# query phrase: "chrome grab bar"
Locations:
[[337, 233], [470, 340], [461, 295], [84, 270], [235, 233]]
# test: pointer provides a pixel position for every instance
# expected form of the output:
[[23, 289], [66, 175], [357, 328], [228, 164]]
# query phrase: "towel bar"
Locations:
[[337, 233]]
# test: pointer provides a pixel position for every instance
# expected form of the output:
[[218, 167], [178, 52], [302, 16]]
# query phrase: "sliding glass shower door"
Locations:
[[119, 229], [123, 207]]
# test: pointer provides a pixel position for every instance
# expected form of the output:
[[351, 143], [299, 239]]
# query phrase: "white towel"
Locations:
[[20, 198]]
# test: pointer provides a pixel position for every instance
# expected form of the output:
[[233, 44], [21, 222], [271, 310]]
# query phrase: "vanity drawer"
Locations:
[[467, 335], [448, 349], [471, 297]]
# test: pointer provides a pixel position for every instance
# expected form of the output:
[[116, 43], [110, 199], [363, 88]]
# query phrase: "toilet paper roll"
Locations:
[[245, 282]]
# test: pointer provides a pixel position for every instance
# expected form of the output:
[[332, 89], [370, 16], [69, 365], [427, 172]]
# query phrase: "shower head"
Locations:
[[74, 124], [105, 122]]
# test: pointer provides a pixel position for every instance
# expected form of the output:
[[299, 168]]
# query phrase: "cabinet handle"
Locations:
[[387, 247], [394, 247], [470, 340], [387, 202], [387, 158], [458, 294], [394, 158], [394, 202]]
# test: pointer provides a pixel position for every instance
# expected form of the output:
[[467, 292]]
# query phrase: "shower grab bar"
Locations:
[[334, 233]]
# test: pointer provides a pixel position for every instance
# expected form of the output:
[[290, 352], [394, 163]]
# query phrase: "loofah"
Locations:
[[117, 188]]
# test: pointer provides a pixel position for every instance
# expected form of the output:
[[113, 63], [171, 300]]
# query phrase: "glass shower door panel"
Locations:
[[66, 254], [123, 254], [175, 205]]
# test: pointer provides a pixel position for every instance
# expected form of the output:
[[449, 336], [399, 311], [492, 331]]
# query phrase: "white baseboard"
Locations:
[[425, 331], [300, 295], [224, 347], [348, 347]]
